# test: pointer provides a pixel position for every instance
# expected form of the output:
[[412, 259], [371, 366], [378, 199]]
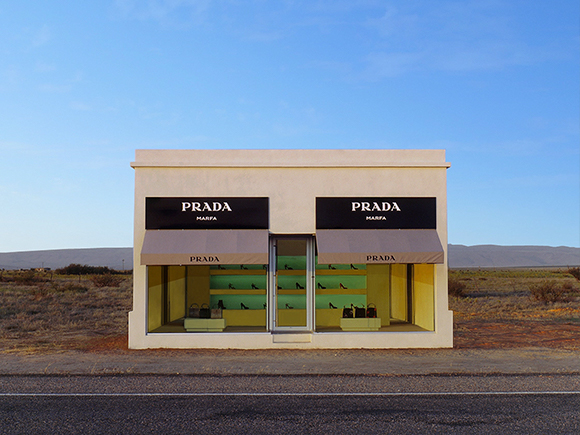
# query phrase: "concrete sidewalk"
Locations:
[[296, 362]]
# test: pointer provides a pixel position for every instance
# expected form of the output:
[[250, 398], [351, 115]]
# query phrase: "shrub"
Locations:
[[547, 291], [27, 277], [106, 280], [71, 287], [456, 288], [80, 269], [575, 272]]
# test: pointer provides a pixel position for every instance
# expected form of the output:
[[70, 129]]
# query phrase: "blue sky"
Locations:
[[83, 84]]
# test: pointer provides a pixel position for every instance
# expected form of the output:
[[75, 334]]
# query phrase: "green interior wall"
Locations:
[[423, 296]]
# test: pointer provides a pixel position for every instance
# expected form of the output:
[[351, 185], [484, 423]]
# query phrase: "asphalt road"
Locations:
[[290, 404]]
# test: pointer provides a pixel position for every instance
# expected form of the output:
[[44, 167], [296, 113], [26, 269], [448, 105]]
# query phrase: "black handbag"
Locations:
[[371, 311], [204, 312], [347, 313], [194, 311], [360, 312]]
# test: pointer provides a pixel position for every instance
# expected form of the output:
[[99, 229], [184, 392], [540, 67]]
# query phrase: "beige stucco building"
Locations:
[[255, 249]]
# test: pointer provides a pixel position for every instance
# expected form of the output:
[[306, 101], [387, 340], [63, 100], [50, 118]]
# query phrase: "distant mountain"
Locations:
[[512, 256], [114, 258], [460, 256]]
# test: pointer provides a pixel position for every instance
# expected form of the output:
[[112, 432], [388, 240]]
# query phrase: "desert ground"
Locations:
[[493, 308]]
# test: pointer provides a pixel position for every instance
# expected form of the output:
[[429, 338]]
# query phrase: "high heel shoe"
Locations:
[[254, 286], [330, 266], [264, 306], [331, 306], [342, 286], [352, 267], [243, 267], [243, 306], [221, 304], [287, 267], [320, 286], [221, 267], [231, 286], [288, 307], [298, 286]]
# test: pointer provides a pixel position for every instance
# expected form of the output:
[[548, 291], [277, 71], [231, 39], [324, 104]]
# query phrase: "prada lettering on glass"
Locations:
[[187, 213], [376, 213]]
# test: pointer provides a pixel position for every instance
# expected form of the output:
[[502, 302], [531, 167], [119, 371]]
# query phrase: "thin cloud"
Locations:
[[175, 13], [42, 36]]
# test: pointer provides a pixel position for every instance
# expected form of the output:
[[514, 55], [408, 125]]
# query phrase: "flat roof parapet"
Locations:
[[291, 158]]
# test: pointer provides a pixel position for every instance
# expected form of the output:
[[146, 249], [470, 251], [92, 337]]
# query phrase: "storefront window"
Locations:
[[401, 296], [229, 298]]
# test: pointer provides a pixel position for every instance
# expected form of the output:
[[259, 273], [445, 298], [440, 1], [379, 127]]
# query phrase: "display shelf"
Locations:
[[340, 272], [341, 291], [299, 272], [291, 291], [236, 272], [341, 267], [237, 291]]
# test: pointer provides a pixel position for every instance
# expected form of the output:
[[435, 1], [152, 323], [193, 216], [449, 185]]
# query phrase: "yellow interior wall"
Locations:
[[399, 292], [245, 317], [292, 317], [328, 317], [176, 292], [378, 290], [197, 285], [423, 296], [155, 298]]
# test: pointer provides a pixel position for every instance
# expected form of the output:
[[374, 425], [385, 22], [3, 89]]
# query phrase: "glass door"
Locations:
[[291, 298]]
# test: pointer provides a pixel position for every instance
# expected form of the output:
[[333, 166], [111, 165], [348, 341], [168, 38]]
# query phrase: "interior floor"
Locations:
[[396, 326]]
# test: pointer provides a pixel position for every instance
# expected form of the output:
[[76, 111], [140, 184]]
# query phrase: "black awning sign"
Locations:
[[376, 213], [187, 213]]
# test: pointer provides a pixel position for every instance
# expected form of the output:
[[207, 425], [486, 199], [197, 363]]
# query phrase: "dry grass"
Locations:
[[40, 312], [499, 309], [61, 312]]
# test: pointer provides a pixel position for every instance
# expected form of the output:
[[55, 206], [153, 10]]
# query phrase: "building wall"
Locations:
[[292, 179]]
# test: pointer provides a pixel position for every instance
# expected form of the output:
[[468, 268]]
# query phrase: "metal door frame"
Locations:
[[272, 292]]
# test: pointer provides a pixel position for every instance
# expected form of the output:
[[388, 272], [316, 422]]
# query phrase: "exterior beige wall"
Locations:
[[292, 179]]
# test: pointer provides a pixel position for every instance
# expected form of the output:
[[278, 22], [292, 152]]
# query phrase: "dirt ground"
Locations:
[[496, 312]]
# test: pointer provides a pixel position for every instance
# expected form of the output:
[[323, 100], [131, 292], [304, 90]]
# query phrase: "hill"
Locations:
[[114, 258], [460, 256]]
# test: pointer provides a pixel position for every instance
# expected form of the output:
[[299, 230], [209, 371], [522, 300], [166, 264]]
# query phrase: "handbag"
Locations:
[[204, 312], [360, 312], [371, 311], [194, 311], [347, 313], [216, 313]]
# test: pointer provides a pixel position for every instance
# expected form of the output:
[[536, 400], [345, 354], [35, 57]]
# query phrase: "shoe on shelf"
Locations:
[[254, 286], [231, 286], [221, 304], [298, 286], [352, 267], [320, 286], [331, 267], [331, 306], [243, 306], [342, 286], [287, 267], [288, 307]]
